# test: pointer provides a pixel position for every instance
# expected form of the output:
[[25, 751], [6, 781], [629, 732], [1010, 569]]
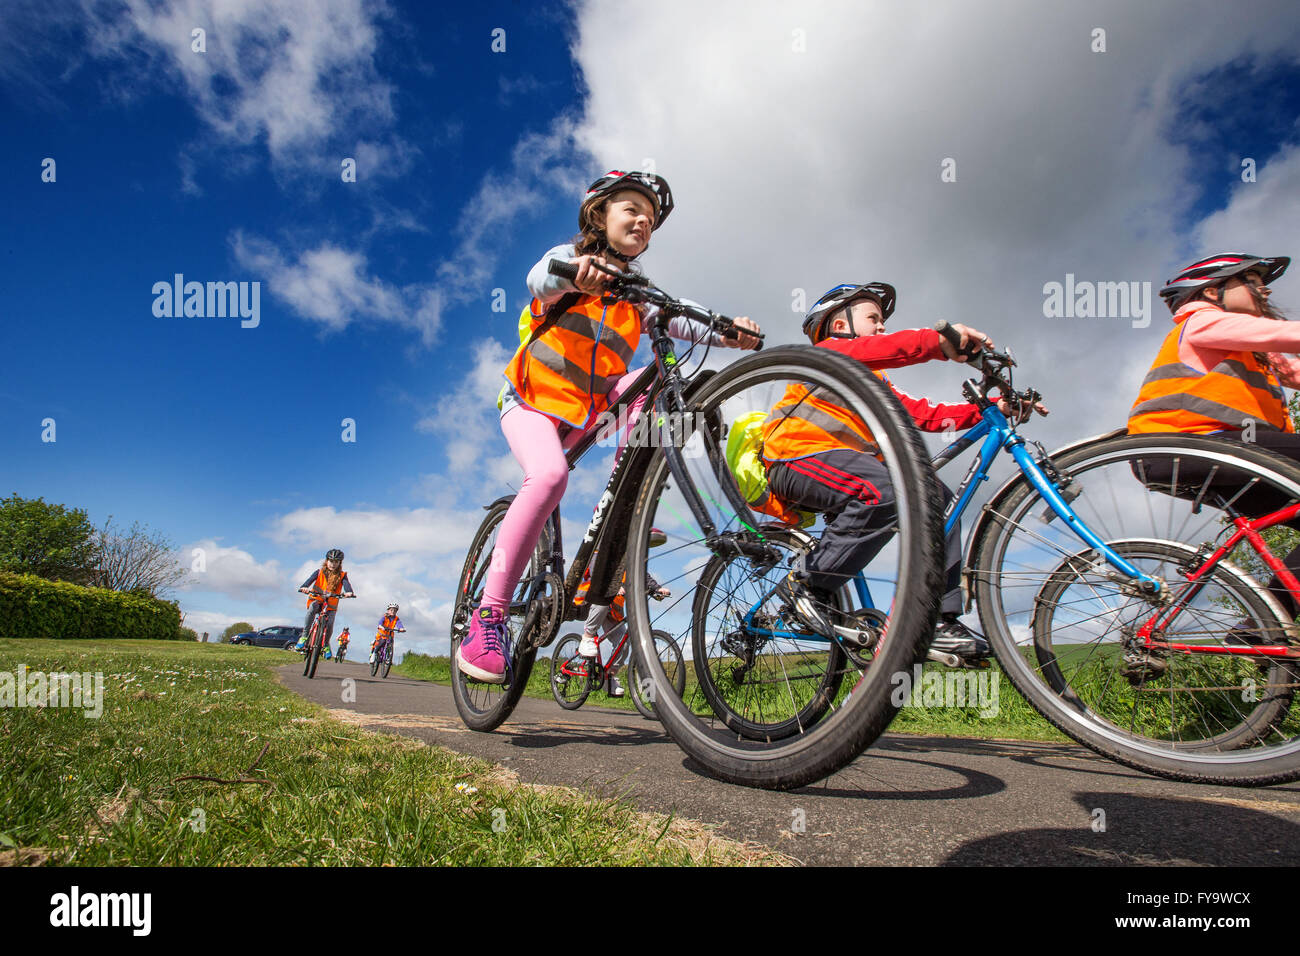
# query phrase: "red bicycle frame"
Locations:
[[1249, 530]]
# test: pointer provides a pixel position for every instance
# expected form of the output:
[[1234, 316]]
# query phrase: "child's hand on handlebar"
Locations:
[[590, 279], [971, 339], [1026, 411], [743, 341]]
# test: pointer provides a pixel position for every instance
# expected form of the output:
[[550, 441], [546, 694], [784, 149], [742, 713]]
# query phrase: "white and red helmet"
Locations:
[[1213, 270], [655, 188]]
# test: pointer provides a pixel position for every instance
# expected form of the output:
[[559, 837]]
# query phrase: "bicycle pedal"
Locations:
[[943, 657]]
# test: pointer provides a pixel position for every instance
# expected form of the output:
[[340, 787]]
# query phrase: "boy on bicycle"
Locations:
[[819, 457], [387, 625]]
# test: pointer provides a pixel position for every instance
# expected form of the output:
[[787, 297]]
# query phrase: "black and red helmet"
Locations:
[[655, 188], [815, 322], [1213, 270]]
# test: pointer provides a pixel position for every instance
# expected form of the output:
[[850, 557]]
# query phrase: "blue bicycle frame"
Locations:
[[997, 434]]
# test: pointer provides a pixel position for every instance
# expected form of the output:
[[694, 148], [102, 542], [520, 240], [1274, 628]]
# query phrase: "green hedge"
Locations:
[[31, 606]]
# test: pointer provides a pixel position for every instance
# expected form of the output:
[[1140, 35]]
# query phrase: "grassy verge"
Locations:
[[84, 791], [1001, 713]]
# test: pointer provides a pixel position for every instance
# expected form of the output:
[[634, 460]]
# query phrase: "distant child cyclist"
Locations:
[[572, 367], [603, 618], [330, 579], [820, 457], [388, 624]]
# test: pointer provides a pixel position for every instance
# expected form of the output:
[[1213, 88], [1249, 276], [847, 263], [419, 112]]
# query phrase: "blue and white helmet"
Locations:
[[818, 317]]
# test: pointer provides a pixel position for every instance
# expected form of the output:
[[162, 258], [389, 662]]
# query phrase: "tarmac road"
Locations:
[[907, 800]]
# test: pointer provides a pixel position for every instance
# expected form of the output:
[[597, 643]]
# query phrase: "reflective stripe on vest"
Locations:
[[321, 585], [804, 423], [1177, 398], [570, 368]]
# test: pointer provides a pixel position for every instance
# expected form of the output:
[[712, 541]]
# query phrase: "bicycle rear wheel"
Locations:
[[570, 673], [482, 706], [670, 661], [765, 677], [1062, 621], [906, 573]]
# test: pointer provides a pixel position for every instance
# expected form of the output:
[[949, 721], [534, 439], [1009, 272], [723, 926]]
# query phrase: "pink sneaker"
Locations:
[[482, 655]]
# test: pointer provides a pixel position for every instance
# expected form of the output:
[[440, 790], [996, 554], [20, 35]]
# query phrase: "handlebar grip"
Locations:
[[954, 339], [732, 334], [558, 267]]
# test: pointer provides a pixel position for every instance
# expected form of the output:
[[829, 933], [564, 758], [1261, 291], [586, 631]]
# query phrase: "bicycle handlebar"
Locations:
[[635, 288], [992, 363]]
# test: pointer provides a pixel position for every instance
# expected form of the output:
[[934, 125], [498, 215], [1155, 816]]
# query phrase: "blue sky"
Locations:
[[820, 164]]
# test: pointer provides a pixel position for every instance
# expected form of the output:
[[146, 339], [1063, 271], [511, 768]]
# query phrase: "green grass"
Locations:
[[82, 791], [1014, 719]]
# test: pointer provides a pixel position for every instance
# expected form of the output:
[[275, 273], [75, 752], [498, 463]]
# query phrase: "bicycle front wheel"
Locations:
[[1071, 632], [905, 573]]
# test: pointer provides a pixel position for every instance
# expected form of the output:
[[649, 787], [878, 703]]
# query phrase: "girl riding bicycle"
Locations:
[[389, 624], [820, 458], [572, 367], [1220, 371], [331, 580]]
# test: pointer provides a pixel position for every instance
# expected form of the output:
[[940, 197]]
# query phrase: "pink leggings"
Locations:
[[534, 439]]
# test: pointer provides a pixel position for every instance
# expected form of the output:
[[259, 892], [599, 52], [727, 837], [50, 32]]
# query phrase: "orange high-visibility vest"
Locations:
[[1177, 398], [387, 624], [803, 423], [321, 586], [568, 370]]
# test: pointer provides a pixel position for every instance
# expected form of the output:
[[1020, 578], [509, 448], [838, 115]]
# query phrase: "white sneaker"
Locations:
[[614, 688], [372, 657], [587, 646]]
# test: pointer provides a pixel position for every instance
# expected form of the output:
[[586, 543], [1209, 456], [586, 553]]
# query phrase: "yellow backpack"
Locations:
[[744, 458], [525, 326]]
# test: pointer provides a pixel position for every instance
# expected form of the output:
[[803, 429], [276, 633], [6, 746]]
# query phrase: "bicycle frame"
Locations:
[[997, 434], [606, 532], [619, 629]]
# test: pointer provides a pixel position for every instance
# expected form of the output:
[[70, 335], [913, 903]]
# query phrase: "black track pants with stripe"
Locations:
[[853, 490]]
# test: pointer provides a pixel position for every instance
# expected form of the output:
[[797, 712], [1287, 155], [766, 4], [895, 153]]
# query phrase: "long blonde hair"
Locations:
[[332, 580]]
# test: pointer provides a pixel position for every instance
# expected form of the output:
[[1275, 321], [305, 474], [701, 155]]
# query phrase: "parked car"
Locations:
[[278, 635]]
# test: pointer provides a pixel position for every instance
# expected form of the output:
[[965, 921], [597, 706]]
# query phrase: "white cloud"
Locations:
[[294, 75], [1260, 218], [369, 533], [334, 286], [803, 170], [231, 571]]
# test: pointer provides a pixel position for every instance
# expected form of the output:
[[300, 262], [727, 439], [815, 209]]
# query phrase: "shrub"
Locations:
[[32, 607]]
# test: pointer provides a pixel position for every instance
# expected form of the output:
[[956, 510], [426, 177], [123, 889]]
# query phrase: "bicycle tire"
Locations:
[[1244, 746], [374, 666], [313, 649], [570, 674], [642, 689], [734, 683], [846, 730], [388, 664], [484, 707]]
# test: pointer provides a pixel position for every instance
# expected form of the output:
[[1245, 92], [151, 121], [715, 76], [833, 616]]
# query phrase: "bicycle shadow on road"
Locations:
[[1121, 829], [560, 734]]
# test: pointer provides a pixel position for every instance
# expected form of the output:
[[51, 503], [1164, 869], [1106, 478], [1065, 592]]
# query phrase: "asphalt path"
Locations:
[[907, 800]]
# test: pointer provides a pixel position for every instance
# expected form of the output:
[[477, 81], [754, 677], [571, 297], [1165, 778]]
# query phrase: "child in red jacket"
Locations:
[[814, 463]]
